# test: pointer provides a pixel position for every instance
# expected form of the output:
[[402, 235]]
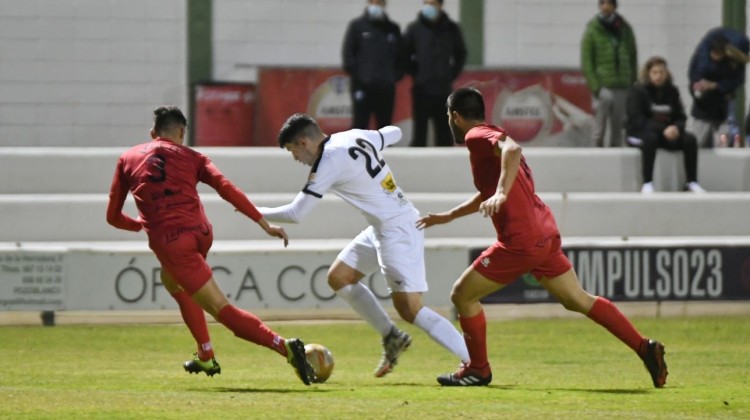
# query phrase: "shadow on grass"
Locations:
[[263, 390], [421, 385], [437, 385], [602, 391], [509, 387]]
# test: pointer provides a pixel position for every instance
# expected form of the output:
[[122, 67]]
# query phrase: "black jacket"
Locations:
[[728, 74], [435, 54], [651, 108], [371, 51]]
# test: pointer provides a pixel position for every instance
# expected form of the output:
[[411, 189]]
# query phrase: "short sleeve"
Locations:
[[482, 141], [389, 135]]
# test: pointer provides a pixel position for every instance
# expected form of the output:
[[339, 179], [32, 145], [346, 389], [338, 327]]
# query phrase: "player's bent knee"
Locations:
[[461, 295], [456, 297], [337, 283], [341, 275]]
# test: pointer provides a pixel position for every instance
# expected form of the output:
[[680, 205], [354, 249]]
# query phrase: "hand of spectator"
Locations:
[[671, 133], [704, 85]]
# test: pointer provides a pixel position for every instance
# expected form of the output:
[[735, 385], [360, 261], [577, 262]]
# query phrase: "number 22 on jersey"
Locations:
[[374, 164]]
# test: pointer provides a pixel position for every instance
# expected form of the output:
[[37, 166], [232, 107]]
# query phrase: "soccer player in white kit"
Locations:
[[349, 164]]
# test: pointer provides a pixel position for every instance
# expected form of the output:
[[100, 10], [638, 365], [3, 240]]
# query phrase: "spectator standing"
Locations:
[[738, 51], [609, 61], [656, 120], [371, 54], [435, 55], [716, 70]]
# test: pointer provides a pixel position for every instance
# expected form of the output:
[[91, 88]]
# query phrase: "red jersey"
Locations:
[[524, 221], [163, 176]]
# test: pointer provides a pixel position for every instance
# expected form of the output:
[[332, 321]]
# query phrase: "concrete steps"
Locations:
[[81, 217], [272, 170]]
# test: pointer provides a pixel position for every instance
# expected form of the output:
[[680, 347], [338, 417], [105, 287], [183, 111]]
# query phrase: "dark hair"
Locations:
[[650, 63], [467, 102], [297, 126], [167, 118], [614, 2], [719, 44]]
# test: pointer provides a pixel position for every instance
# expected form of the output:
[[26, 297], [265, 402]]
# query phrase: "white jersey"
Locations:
[[352, 167]]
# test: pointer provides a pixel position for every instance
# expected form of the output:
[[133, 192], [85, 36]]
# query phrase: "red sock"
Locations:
[[475, 336], [248, 327], [606, 314], [195, 319]]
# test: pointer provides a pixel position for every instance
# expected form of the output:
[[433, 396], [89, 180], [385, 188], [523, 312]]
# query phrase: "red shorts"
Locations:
[[182, 254], [504, 265]]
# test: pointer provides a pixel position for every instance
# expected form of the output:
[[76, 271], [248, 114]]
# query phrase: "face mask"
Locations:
[[430, 12], [607, 18], [375, 11]]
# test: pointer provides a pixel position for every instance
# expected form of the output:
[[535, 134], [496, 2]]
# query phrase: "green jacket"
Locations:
[[607, 61]]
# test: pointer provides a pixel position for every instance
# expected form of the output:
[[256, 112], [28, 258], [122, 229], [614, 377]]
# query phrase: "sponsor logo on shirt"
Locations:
[[388, 183], [173, 235]]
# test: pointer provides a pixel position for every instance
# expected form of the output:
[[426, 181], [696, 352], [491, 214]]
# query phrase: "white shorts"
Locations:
[[397, 249]]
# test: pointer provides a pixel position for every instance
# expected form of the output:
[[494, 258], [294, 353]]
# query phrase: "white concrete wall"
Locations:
[[88, 72]]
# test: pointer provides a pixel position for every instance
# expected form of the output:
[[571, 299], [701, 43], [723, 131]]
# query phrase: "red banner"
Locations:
[[320, 93], [537, 107], [224, 114]]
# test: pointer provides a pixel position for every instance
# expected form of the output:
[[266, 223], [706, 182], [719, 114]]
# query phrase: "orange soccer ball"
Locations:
[[321, 360]]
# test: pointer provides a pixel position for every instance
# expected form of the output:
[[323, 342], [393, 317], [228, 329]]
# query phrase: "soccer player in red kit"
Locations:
[[527, 241], [162, 175]]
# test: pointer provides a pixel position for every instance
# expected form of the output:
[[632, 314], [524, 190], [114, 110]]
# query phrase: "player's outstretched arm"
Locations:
[[467, 207], [293, 212]]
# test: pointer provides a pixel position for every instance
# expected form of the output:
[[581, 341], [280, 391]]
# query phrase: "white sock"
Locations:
[[366, 305], [442, 332]]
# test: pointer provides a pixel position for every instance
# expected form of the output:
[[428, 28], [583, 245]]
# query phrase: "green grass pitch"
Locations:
[[547, 369]]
